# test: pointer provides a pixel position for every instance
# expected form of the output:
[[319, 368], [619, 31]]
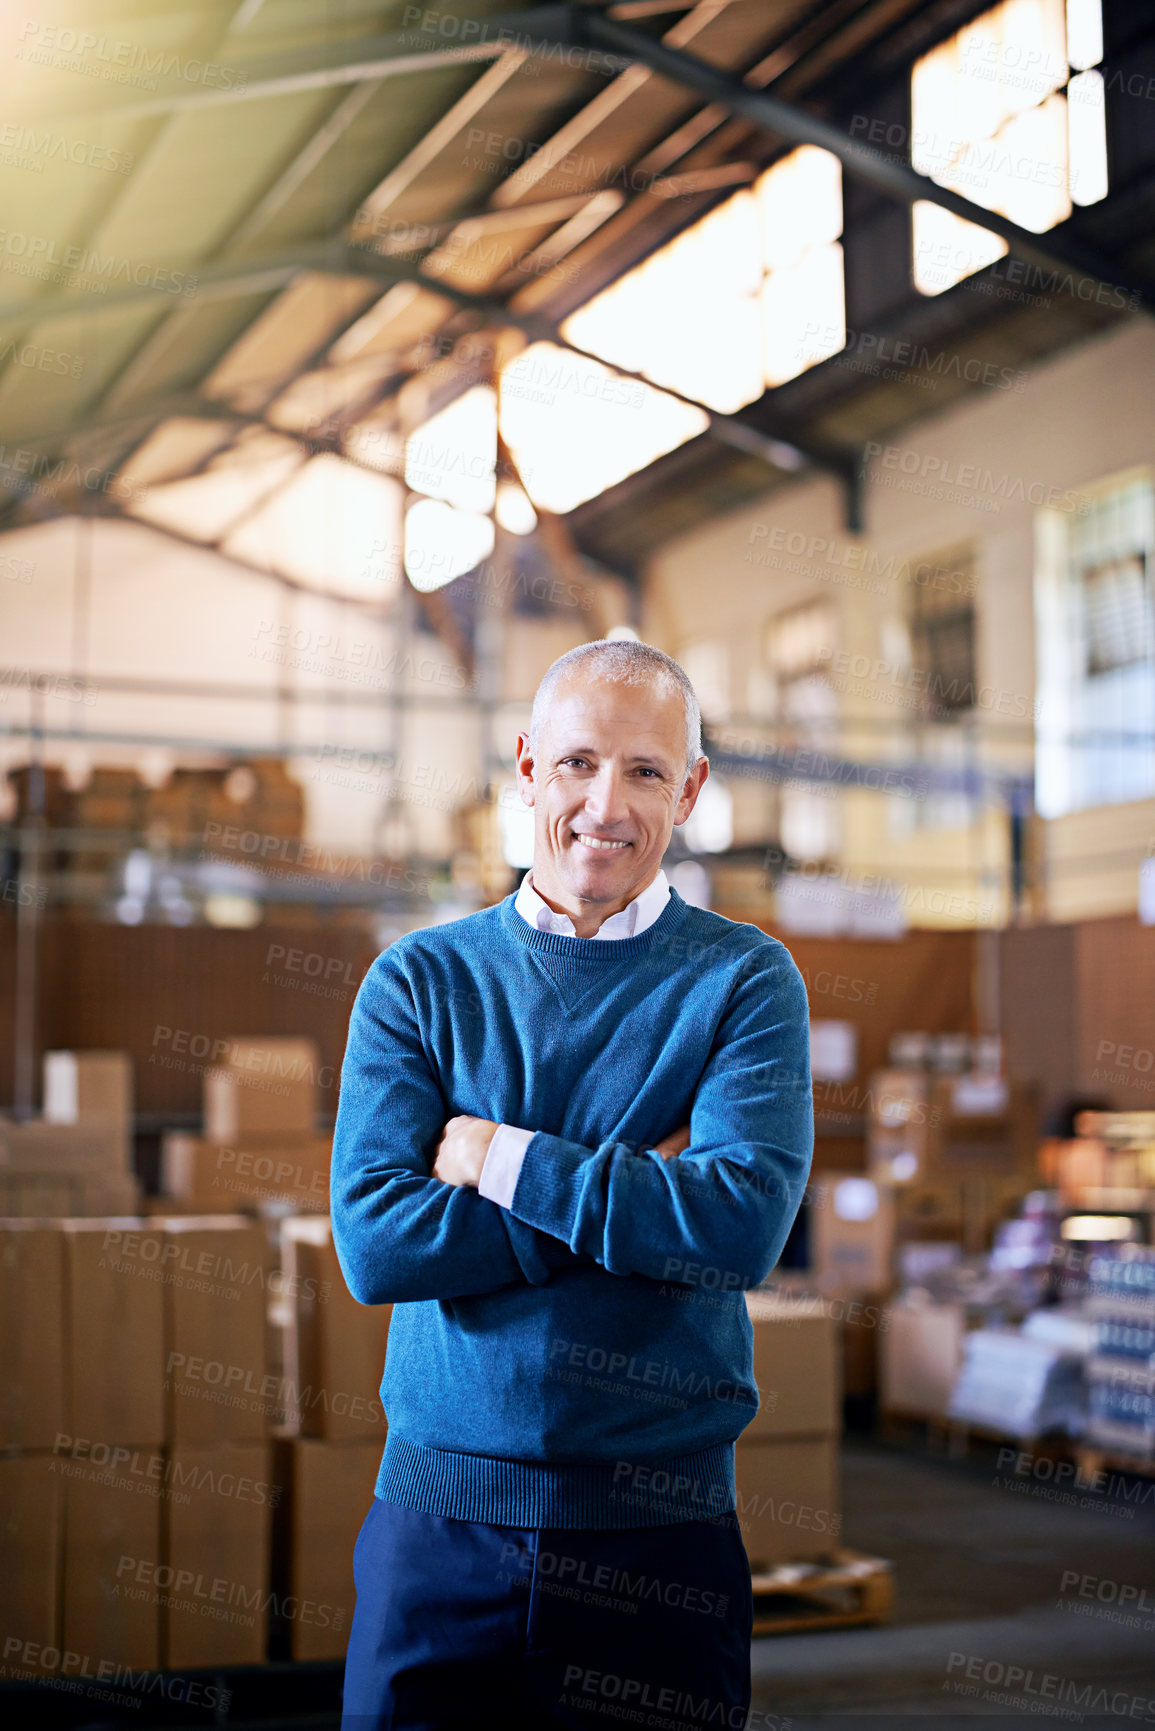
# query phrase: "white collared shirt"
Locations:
[[630, 922], [507, 1145]]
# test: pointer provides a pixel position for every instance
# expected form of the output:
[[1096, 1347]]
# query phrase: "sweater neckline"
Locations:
[[600, 952]]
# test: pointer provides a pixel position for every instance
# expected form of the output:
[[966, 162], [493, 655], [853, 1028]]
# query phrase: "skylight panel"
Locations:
[[335, 527], [575, 427], [997, 117]]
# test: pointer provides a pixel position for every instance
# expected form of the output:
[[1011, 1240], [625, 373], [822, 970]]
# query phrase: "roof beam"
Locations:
[[799, 126], [781, 447]]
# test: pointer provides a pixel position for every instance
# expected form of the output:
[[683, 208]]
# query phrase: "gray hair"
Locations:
[[623, 661]]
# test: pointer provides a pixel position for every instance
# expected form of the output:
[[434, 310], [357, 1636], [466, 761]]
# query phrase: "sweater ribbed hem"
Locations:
[[535, 1494]]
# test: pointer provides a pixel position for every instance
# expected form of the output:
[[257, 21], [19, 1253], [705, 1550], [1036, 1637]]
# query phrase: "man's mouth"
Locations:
[[595, 843]]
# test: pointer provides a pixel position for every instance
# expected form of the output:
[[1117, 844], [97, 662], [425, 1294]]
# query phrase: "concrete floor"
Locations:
[[980, 1564]]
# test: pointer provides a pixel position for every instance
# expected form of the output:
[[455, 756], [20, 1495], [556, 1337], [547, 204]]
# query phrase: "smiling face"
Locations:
[[607, 789]]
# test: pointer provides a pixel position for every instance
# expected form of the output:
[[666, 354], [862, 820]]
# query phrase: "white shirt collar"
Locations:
[[631, 922]]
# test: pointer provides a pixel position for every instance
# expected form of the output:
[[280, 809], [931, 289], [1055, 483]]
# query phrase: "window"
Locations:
[[1009, 113], [931, 645], [798, 647], [1095, 622], [1117, 608], [941, 620]]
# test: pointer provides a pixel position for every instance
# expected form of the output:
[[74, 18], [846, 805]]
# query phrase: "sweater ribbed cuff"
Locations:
[[548, 1185]]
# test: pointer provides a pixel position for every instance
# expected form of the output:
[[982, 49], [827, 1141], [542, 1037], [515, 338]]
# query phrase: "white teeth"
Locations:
[[592, 841]]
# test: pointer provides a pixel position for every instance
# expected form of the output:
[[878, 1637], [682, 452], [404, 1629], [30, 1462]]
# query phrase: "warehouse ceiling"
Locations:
[[247, 248]]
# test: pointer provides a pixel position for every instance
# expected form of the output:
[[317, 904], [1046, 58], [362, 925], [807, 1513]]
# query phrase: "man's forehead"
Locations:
[[650, 711]]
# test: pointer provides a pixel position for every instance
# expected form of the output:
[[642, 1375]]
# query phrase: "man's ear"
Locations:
[[691, 788], [525, 768]]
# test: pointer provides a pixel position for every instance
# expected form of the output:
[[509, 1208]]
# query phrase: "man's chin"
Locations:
[[601, 879]]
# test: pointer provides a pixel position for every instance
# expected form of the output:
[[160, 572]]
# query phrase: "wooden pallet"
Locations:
[[1094, 1458], [837, 1592], [954, 1436]]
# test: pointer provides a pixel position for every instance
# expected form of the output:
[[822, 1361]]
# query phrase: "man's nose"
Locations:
[[606, 798]]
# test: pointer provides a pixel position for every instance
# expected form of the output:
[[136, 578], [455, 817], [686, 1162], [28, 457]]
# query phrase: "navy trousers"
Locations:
[[464, 1626]]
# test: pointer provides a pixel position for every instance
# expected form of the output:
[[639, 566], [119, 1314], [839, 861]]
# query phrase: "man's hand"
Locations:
[[672, 1145], [462, 1149]]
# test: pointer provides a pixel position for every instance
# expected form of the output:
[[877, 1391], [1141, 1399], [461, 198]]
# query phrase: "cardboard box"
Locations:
[[852, 1234], [796, 1367], [899, 1138], [32, 1342], [97, 1148], [263, 1085], [330, 1491], [282, 1166], [334, 1347], [986, 1127], [216, 1293], [28, 1195], [218, 1534], [111, 1554], [115, 1321], [30, 1535], [788, 1499], [80, 1087], [920, 1355]]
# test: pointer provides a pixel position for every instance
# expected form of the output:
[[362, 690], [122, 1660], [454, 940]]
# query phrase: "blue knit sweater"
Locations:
[[583, 1358]]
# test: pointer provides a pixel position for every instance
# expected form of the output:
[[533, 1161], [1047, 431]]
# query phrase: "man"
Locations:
[[574, 1128]]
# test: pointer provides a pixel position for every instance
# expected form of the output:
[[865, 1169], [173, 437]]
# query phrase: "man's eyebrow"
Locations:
[[653, 759]]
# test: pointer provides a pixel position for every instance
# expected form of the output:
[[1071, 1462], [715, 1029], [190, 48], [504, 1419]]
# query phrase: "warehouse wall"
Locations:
[[1075, 421], [94, 600]]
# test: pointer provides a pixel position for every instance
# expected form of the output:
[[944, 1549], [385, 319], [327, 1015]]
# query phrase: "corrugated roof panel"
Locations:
[[86, 57], [366, 139], [82, 353], [504, 116], [398, 320], [203, 173], [183, 348], [326, 395], [205, 506], [302, 319], [61, 177], [602, 143], [174, 449], [480, 251]]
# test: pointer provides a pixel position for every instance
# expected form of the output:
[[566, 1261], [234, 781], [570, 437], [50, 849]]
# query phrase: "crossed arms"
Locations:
[[409, 1223]]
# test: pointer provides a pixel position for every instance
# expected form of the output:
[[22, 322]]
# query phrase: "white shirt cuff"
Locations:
[[501, 1167]]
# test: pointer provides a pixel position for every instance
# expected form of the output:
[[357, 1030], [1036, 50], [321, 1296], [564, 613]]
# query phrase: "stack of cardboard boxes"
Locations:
[[222, 809], [787, 1457], [220, 1402], [77, 1158], [136, 1492], [920, 1356], [261, 1142], [952, 1153], [32, 1416], [958, 1150], [334, 1354]]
